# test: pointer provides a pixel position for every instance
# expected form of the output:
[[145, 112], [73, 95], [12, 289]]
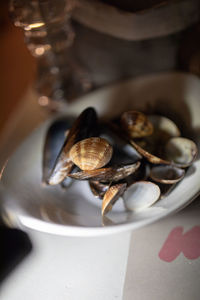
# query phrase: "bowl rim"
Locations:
[[22, 220]]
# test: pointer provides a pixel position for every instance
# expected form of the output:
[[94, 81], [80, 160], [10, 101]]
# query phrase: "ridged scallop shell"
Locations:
[[92, 153], [136, 124]]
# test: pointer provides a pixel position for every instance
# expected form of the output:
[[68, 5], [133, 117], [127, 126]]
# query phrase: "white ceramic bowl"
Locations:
[[75, 212]]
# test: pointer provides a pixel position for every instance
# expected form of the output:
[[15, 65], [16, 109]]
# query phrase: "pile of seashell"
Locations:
[[138, 157]]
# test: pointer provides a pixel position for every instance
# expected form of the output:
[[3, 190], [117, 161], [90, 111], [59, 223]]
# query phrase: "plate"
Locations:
[[75, 211]]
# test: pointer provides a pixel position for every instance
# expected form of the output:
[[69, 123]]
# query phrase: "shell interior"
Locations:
[[167, 174], [149, 156]]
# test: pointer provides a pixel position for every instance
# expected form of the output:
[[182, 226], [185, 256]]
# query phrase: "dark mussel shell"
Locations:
[[107, 174], [142, 173], [123, 152], [84, 126], [54, 140]]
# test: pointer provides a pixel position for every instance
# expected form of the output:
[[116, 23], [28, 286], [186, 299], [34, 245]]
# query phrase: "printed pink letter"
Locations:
[[177, 242]]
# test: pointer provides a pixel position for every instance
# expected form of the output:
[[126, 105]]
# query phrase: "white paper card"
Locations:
[[164, 259]]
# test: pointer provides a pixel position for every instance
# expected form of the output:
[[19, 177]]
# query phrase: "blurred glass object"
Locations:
[[115, 40], [49, 36]]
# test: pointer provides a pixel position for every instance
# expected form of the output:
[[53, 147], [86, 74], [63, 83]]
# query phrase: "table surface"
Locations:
[[160, 261]]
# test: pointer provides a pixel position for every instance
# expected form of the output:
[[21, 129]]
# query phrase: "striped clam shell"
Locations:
[[91, 153], [111, 196], [136, 124]]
